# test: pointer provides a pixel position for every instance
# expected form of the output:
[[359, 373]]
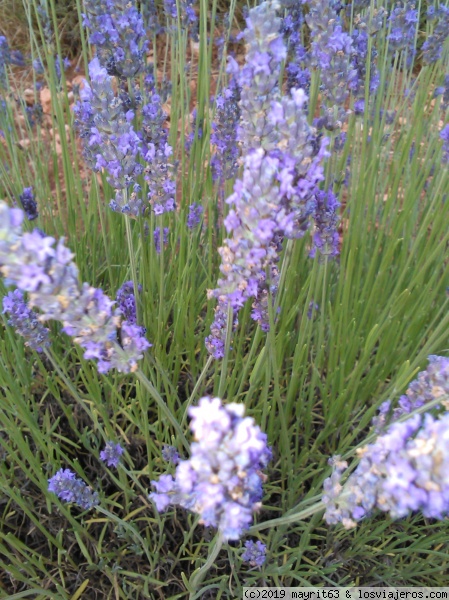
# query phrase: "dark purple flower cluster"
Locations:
[[443, 91], [429, 385], [222, 480], [150, 18], [216, 342], [405, 470], [5, 59], [435, 43], [111, 454], [127, 302], [224, 163], [36, 264], [68, 487], [194, 217], [187, 15], [28, 203], [157, 238], [444, 135], [170, 454], [159, 171], [325, 236], [25, 321], [403, 20], [110, 142], [331, 54], [298, 74], [118, 32], [359, 64], [255, 553]]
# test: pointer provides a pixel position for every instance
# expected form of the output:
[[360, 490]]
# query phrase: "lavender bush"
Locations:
[[272, 218]]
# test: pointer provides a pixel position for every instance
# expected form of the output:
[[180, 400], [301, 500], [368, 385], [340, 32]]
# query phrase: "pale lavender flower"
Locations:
[[255, 553], [71, 489], [281, 168], [29, 203], [430, 384], [405, 470], [118, 32], [110, 142], [331, 54], [224, 163], [111, 454], [222, 480], [159, 173], [35, 263], [25, 321], [194, 218]]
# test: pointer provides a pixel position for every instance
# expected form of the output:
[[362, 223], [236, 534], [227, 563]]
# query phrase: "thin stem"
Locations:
[[199, 575], [162, 405], [287, 519], [195, 389], [224, 364], [132, 261]]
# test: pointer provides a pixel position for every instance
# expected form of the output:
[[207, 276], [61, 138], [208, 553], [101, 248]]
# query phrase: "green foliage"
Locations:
[[312, 384]]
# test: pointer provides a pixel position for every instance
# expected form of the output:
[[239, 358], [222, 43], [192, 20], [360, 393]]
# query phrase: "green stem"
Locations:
[[224, 364], [162, 405], [287, 519], [132, 261], [195, 389], [199, 575]]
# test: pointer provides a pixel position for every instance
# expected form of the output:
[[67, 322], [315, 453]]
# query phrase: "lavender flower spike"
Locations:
[[221, 481], [430, 384], [110, 142], [403, 471], [35, 263], [70, 488], [255, 553], [118, 32], [111, 454], [25, 321]]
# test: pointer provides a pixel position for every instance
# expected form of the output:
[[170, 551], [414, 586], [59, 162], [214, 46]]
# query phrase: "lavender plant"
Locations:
[[44, 269], [222, 480], [349, 335]]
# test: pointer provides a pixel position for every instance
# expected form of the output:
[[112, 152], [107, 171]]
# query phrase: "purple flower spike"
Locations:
[[429, 384], [405, 470], [71, 489], [194, 218], [25, 321], [111, 454], [118, 32], [221, 481], [255, 553], [29, 203], [44, 268], [170, 454], [109, 140], [444, 135]]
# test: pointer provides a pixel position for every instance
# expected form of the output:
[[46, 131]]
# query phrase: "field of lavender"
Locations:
[[224, 277]]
